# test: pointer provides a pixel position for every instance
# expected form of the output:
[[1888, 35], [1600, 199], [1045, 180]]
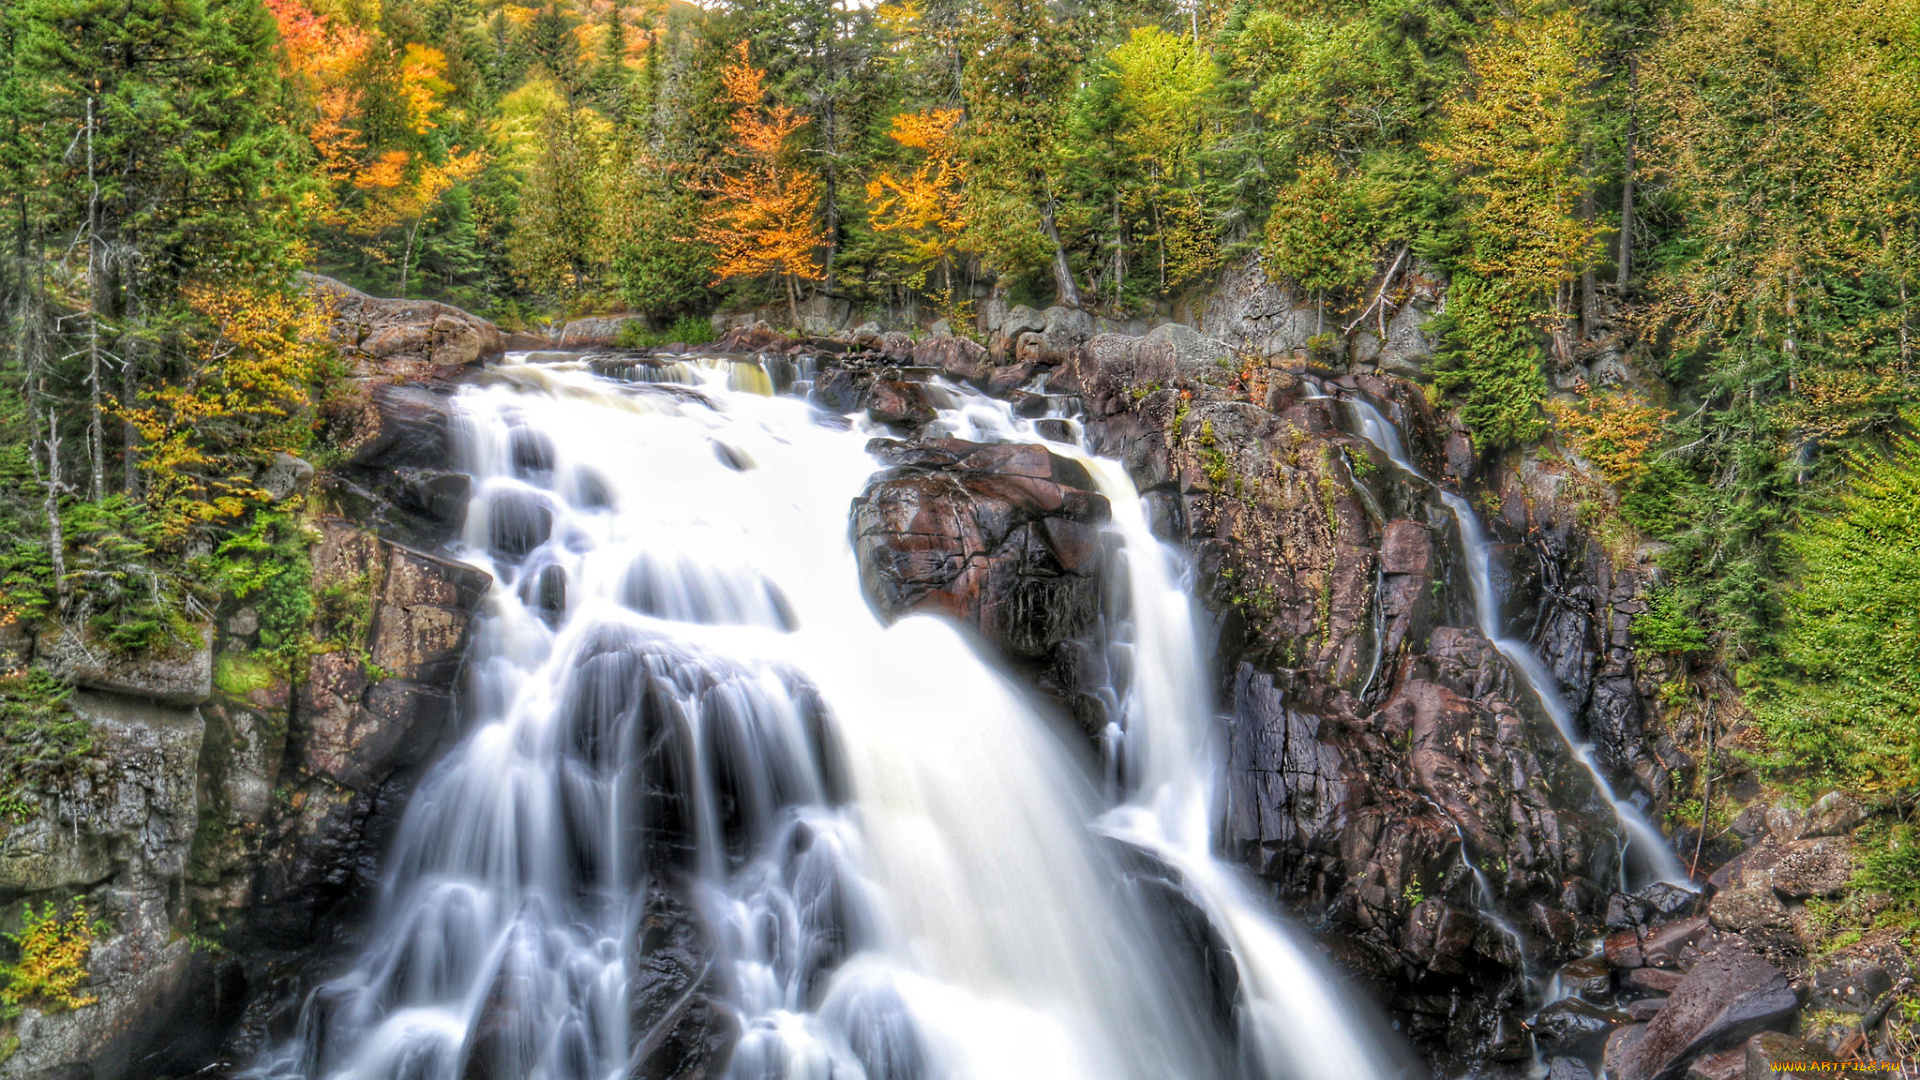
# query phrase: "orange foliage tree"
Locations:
[[379, 183], [762, 218], [926, 208]]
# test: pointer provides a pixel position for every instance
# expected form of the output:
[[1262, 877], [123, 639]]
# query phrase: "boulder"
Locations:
[[406, 339], [1728, 996], [1573, 1028], [1796, 869], [1771, 1055], [1837, 813], [1004, 538], [960, 359], [598, 332]]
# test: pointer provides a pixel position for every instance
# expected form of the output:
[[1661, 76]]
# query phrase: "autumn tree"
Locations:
[[762, 213], [926, 208]]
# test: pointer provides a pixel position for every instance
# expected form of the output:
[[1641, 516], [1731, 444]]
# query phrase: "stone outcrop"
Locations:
[[1726, 998], [405, 339], [1001, 537]]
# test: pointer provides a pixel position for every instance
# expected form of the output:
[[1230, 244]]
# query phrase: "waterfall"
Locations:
[[679, 696], [1642, 841]]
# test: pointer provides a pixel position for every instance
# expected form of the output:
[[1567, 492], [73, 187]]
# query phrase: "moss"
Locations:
[[1214, 463], [239, 674]]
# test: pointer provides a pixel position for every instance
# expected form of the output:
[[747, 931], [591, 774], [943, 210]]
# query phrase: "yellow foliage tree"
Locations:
[[762, 218], [52, 964], [243, 401], [1613, 430], [926, 208], [1512, 138]]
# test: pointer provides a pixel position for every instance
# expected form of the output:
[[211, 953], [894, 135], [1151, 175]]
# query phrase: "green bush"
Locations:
[[686, 330], [1666, 627], [1487, 362], [1847, 700]]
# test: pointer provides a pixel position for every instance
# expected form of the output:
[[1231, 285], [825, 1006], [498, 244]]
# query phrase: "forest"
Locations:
[[1721, 195]]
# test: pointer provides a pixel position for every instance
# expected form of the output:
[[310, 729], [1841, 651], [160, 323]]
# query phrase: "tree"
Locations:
[[1017, 86], [926, 208], [762, 217], [1166, 84]]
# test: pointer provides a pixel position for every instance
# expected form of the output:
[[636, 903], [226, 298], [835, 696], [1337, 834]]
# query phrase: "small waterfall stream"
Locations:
[[1643, 845], [680, 695]]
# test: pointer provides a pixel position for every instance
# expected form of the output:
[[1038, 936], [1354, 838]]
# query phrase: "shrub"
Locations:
[[1487, 362], [52, 963], [686, 330]]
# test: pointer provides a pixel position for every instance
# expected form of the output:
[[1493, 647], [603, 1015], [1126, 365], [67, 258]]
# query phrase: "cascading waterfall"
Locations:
[[1643, 843], [679, 692]]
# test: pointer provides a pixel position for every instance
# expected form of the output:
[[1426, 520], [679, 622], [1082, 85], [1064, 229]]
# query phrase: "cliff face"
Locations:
[[227, 820]]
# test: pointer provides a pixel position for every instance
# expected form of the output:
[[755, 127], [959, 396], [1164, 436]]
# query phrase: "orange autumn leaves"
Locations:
[[762, 216], [375, 181]]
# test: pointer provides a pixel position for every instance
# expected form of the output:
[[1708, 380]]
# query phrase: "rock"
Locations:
[[1853, 979], [677, 1017], [1814, 867], [960, 359], [1645, 1009], [1836, 813], [1726, 997], [1285, 788], [891, 401], [1666, 946], [598, 332], [1771, 1054], [406, 339], [180, 673], [1573, 1028], [286, 477], [1796, 869], [1590, 977], [1744, 910], [940, 328], [1725, 1065], [1623, 949], [1567, 1068], [1655, 980], [403, 426], [753, 338], [1000, 537]]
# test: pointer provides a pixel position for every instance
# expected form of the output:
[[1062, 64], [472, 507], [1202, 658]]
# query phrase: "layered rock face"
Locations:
[[1386, 772]]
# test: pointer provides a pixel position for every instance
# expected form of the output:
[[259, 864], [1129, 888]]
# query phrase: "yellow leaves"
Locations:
[[52, 964], [1613, 430], [244, 399], [1164, 81], [1511, 138], [761, 218], [421, 85], [927, 207]]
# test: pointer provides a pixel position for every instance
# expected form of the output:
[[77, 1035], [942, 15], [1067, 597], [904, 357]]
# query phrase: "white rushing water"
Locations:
[[1642, 843], [676, 681]]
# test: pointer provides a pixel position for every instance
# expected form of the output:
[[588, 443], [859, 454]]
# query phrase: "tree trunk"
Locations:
[[1062, 270], [56, 539], [96, 427], [793, 302], [1625, 257]]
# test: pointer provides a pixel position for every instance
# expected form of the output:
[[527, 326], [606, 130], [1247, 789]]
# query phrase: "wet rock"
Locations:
[[1573, 1028], [1590, 977], [890, 401], [1568, 1068], [1645, 1009], [1725, 998], [1725, 1065], [1004, 538], [1667, 946], [517, 523], [1771, 1054], [681, 1028], [1655, 980], [1285, 787]]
